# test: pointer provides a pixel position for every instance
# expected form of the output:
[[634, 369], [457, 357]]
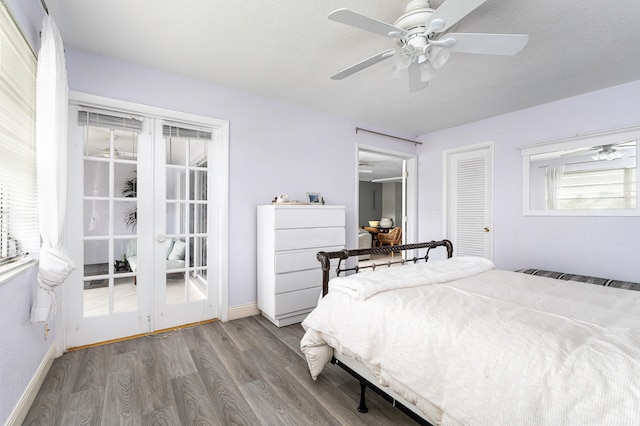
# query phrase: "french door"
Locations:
[[143, 235]]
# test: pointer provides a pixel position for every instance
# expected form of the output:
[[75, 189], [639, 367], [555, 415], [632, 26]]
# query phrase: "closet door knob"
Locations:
[[161, 238], [486, 229]]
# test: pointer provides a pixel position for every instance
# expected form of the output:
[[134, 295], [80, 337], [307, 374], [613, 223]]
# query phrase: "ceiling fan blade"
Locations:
[[364, 64], [451, 11], [488, 44], [354, 19], [415, 81]]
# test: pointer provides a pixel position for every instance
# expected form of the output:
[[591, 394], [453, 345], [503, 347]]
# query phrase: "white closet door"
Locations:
[[469, 193]]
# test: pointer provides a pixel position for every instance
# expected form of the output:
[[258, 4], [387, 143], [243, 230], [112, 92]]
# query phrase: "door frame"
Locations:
[[220, 129], [446, 170], [411, 190]]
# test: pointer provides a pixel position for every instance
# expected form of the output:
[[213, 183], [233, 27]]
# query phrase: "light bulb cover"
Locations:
[[403, 57], [438, 56]]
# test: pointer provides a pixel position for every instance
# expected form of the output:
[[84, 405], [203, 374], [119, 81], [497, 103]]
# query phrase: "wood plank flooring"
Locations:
[[243, 372]]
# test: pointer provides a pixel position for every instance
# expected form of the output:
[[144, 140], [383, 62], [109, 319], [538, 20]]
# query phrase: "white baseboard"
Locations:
[[241, 311], [24, 404]]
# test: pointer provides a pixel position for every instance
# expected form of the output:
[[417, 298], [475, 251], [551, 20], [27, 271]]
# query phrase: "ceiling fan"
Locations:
[[95, 151], [424, 44], [603, 152]]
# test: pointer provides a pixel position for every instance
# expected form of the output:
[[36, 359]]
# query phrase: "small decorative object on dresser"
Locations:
[[314, 198], [289, 239], [282, 198]]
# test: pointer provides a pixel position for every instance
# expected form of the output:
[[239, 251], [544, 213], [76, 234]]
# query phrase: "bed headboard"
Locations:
[[325, 258]]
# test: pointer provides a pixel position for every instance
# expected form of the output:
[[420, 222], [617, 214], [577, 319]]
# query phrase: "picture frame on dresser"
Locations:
[[314, 197]]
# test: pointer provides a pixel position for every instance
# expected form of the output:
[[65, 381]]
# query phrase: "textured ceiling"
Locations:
[[286, 50], [374, 166]]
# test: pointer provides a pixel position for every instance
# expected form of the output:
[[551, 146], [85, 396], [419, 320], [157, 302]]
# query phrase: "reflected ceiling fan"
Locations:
[[94, 151], [423, 41], [607, 152]]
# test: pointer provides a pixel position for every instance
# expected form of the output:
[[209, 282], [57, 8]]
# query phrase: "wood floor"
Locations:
[[243, 372]]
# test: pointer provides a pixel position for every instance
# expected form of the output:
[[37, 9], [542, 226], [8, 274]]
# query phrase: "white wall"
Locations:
[[274, 148], [23, 344], [392, 202], [600, 246], [389, 201]]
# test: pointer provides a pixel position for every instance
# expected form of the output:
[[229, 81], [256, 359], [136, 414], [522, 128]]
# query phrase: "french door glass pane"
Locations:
[[96, 178], [175, 219], [186, 287], [199, 252], [175, 183], [186, 221], [110, 219], [96, 217], [176, 152], [96, 257]]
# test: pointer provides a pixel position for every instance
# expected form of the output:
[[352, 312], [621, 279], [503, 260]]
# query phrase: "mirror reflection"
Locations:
[[590, 177]]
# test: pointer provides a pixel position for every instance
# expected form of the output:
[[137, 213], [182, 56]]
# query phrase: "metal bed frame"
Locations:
[[325, 260]]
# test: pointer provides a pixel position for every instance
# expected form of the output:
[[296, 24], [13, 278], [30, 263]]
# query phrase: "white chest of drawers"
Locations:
[[289, 274]]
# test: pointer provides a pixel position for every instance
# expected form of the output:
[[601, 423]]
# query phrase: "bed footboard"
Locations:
[[325, 258]]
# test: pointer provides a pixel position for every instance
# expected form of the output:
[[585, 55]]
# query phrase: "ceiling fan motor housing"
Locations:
[[414, 22]]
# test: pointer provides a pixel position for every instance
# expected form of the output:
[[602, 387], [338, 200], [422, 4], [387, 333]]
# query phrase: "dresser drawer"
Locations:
[[289, 261], [295, 239], [297, 300], [299, 280], [311, 217]]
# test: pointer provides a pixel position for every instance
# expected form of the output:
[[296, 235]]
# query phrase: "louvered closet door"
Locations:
[[470, 201]]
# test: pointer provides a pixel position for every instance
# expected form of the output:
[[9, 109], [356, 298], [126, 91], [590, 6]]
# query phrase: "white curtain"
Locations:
[[553, 175], [51, 154]]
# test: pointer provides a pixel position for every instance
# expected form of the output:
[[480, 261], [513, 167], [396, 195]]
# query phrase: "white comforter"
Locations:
[[494, 348]]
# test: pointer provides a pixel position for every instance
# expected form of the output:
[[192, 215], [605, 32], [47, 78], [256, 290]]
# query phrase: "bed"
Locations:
[[456, 341]]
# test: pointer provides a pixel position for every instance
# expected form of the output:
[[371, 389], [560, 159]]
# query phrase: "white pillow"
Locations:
[[170, 243], [177, 252]]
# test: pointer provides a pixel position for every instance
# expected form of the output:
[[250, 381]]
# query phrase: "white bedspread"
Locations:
[[369, 283], [496, 348]]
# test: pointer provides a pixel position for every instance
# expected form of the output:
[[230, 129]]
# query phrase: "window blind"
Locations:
[[174, 131], [108, 121], [598, 189], [19, 232]]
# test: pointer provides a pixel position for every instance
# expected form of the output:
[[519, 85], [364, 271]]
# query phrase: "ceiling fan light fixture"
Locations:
[[438, 56], [607, 153], [403, 57]]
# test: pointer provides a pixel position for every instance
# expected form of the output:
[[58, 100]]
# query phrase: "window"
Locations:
[[592, 175], [18, 209], [598, 189]]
